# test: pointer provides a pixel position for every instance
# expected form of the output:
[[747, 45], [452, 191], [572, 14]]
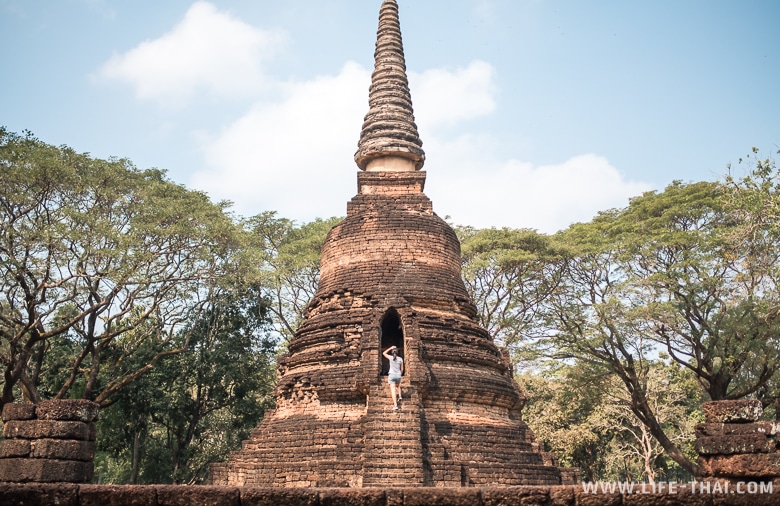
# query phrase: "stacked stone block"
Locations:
[[53, 441], [393, 442], [734, 446]]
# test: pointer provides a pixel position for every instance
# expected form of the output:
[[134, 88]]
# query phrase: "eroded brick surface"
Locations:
[[268, 496], [14, 448], [57, 448], [728, 429], [151, 495], [174, 495], [117, 495], [40, 494], [44, 470], [62, 449], [736, 411], [13, 411], [77, 410], [733, 444], [757, 465], [733, 447], [52, 429]]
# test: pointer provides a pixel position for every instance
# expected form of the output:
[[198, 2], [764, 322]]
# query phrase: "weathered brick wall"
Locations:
[[460, 423], [53, 441], [172, 495], [391, 245], [734, 446]]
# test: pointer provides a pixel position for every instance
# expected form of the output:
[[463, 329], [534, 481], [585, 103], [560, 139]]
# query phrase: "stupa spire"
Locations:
[[389, 129]]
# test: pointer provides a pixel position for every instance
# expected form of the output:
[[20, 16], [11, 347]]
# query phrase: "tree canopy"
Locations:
[[674, 272], [287, 255], [509, 273], [689, 273], [102, 258], [196, 406]]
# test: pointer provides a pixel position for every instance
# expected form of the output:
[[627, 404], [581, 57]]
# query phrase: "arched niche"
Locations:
[[391, 333]]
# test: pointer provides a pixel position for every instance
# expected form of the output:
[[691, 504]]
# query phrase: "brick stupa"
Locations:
[[391, 275]]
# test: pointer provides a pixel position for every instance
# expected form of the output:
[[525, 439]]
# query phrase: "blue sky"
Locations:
[[533, 113]]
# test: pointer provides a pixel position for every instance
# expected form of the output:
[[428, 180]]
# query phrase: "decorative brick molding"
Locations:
[[53, 441], [388, 127], [734, 446]]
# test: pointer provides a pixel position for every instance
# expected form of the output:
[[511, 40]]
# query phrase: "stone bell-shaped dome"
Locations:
[[390, 275]]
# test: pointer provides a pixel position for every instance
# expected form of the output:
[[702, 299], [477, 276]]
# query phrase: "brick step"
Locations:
[[405, 406], [394, 420], [391, 445], [395, 463], [403, 409], [392, 442], [383, 405]]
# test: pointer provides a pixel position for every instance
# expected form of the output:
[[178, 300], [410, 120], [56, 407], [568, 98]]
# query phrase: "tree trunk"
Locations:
[[647, 448], [642, 410], [777, 409], [136, 457]]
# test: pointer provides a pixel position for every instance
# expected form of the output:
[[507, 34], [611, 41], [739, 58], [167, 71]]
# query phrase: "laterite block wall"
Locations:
[[53, 441]]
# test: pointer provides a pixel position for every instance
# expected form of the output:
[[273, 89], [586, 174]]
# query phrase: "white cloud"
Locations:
[[474, 190], [208, 50], [293, 157], [444, 97]]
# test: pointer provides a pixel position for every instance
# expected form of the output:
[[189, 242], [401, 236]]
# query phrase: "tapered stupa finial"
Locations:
[[389, 129]]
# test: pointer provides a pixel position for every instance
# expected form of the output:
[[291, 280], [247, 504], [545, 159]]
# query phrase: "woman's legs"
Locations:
[[394, 394]]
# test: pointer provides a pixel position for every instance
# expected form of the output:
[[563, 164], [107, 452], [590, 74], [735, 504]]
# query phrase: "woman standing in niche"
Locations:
[[394, 374]]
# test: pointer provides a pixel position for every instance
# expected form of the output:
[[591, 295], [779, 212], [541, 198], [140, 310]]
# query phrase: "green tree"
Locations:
[[561, 401], [289, 256], [633, 453], [582, 413], [754, 199], [708, 298], [665, 274], [193, 408], [509, 273], [98, 259]]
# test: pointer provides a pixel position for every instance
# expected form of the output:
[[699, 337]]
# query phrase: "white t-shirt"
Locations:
[[395, 366]]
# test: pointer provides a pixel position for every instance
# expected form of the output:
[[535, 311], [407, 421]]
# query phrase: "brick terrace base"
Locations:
[[179, 495]]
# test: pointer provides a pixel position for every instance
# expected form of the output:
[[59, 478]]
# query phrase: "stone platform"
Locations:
[[180, 495]]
